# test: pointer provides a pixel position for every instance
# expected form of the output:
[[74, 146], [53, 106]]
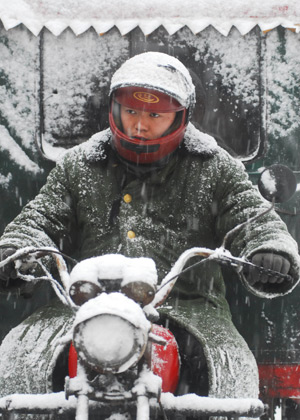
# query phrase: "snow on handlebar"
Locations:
[[220, 255], [34, 254]]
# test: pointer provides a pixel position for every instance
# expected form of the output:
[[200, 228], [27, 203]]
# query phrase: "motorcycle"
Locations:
[[121, 363], [136, 362]]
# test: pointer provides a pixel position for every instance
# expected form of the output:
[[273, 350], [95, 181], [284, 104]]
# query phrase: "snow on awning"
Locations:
[[148, 15]]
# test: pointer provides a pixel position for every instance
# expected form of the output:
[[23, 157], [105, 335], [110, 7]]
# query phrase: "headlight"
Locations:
[[141, 292], [139, 279], [82, 291], [110, 333]]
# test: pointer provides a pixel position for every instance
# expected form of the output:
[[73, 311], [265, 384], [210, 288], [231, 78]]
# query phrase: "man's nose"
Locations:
[[141, 125]]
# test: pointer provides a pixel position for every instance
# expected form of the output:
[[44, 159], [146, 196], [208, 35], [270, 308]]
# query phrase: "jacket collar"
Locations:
[[199, 143], [195, 142]]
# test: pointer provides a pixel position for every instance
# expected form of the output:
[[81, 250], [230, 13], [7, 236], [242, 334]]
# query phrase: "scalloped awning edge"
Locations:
[[147, 26]]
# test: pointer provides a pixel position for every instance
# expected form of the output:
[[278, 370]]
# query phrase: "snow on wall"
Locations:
[[237, 74], [282, 63], [235, 62], [19, 84], [223, 57], [16, 153], [56, 15], [76, 72], [5, 180], [86, 65], [231, 84]]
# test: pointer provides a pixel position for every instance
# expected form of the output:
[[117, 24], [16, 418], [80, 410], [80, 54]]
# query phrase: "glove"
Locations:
[[8, 271], [269, 261], [9, 281]]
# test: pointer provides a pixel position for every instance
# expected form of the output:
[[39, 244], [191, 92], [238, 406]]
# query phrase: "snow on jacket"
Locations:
[[89, 205], [193, 201]]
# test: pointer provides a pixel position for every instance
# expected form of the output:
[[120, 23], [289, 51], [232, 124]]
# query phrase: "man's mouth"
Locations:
[[139, 138]]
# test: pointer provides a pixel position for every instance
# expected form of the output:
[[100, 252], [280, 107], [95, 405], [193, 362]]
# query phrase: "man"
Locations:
[[153, 185]]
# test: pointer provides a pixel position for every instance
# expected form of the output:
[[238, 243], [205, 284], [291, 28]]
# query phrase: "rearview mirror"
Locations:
[[277, 183]]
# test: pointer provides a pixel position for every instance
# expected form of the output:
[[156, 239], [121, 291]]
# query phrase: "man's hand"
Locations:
[[9, 281], [270, 261], [8, 271]]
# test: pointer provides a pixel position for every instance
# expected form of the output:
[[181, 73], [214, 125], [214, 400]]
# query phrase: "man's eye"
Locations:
[[130, 111], [154, 115]]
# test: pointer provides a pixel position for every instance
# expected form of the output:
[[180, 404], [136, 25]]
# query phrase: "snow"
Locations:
[[105, 267], [19, 85], [5, 180], [95, 147], [161, 71], [268, 181], [113, 330], [15, 152], [57, 15], [141, 269], [115, 266], [114, 304], [147, 381], [234, 73], [67, 112], [214, 405], [283, 79], [278, 413], [169, 402], [116, 338], [200, 142], [39, 401]]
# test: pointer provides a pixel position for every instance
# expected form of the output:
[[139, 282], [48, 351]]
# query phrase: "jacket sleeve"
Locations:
[[239, 201], [48, 219]]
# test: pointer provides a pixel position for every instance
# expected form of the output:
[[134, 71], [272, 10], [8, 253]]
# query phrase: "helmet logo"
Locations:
[[146, 97]]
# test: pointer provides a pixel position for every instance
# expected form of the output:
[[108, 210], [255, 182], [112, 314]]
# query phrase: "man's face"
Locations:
[[145, 125]]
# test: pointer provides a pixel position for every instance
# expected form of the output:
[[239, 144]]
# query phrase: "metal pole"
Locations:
[[82, 409], [142, 408]]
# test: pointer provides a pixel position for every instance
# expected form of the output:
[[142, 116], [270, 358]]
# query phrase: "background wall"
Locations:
[[53, 93]]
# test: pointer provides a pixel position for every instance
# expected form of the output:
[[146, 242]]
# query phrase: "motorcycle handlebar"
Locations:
[[220, 255]]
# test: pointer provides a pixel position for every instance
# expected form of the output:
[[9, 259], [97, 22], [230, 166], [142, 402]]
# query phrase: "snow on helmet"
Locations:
[[152, 82]]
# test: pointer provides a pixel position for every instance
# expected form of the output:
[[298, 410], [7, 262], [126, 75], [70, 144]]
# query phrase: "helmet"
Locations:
[[151, 82]]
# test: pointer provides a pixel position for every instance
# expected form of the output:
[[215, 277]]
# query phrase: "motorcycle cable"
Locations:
[[234, 263]]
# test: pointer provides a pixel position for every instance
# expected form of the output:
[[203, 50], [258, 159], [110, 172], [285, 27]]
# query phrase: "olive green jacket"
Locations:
[[90, 203]]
